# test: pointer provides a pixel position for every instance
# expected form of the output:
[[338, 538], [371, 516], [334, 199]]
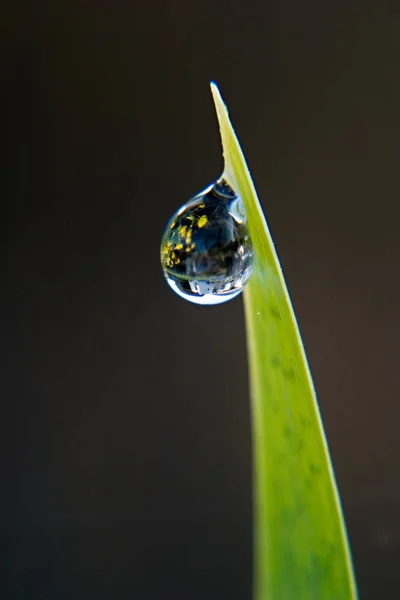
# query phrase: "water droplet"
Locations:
[[206, 252]]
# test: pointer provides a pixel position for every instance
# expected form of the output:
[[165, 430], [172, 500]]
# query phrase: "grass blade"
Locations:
[[300, 545]]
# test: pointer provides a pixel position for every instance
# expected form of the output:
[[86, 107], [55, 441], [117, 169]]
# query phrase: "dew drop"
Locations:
[[206, 251]]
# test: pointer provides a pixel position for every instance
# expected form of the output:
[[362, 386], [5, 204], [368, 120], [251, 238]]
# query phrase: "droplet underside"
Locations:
[[206, 252]]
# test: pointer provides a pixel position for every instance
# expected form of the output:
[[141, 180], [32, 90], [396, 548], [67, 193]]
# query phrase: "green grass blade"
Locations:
[[300, 547]]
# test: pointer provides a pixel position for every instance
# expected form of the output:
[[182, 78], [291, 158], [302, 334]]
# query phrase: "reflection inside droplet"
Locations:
[[206, 252]]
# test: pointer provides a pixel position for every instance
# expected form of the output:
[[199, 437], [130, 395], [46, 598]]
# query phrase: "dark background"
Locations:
[[124, 410]]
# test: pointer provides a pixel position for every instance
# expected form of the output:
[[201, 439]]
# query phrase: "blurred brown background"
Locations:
[[125, 419]]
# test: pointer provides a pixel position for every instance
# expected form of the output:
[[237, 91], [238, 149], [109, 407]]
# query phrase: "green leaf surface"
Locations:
[[300, 545]]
